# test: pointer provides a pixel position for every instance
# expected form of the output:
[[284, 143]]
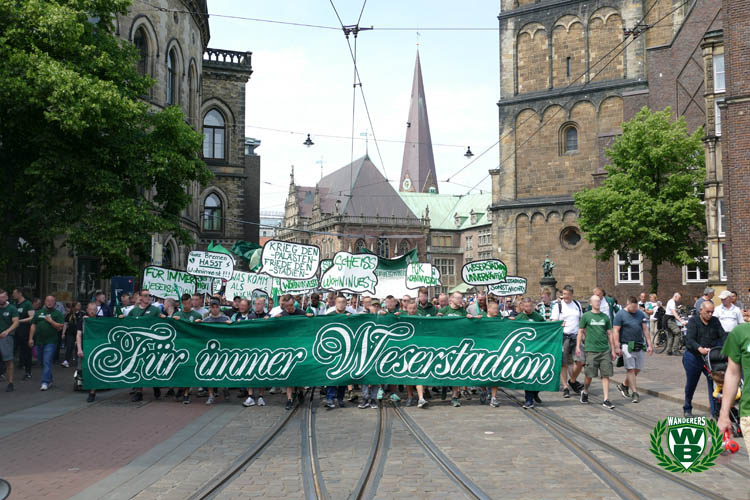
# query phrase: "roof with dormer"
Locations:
[[450, 211]]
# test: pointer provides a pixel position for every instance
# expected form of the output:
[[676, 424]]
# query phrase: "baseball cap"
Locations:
[[215, 302], [725, 294]]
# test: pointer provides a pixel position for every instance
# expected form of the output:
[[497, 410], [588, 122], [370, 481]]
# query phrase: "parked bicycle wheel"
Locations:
[[660, 341]]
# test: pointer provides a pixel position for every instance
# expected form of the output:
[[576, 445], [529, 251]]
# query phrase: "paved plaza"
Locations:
[[55, 445]]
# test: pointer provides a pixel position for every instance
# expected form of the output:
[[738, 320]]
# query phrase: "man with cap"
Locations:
[[728, 314]]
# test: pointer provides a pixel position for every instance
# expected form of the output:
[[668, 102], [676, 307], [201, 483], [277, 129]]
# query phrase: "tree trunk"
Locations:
[[654, 272]]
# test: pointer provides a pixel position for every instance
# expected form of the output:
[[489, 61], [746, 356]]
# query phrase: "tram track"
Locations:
[[557, 426]]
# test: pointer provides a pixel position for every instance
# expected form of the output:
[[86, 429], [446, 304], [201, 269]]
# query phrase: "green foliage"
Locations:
[[650, 201], [82, 156]]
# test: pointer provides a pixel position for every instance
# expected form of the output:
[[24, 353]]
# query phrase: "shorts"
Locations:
[[745, 426], [6, 348], [632, 360], [598, 364], [569, 351]]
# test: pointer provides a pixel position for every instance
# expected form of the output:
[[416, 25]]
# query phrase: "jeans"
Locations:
[[24, 351], [369, 392], [693, 365], [529, 395], [333, 391], [46, 352]]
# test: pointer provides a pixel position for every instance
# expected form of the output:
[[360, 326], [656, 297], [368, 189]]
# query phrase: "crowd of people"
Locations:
[[596, 336]]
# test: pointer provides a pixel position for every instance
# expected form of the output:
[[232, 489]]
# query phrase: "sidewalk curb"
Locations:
[[669, 397]]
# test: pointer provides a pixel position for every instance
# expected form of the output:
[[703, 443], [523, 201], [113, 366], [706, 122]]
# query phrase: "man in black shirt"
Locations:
[[703, 332]]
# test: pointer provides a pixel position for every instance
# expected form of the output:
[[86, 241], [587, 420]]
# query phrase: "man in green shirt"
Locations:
[[8, 325], [424, 306], [187, 313], [595, 328], [455, 307], [145, 309], [25, 313], [44, 327], [527, 313], [737, 349]]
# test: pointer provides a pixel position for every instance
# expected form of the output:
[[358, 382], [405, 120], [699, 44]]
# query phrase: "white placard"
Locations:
[[282, 259], [351, 273], [167, 283], [421, 274], [211, 264], [484, 272], [296, 286], [243, 284], [513, 285]]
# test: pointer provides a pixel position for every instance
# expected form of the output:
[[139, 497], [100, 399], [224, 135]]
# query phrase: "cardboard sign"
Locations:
[[391, 275], [484, 272], [421, 274], [243, 284], [352, 273], [282, 259], [296, 286], [203, 284], [167, 283], [211, 264], [513, 285]]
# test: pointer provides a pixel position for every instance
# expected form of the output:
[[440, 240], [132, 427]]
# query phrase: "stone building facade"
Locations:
[[209, 86], [569, 78]]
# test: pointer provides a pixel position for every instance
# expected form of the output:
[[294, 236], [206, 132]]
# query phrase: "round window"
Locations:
[[570, 237]]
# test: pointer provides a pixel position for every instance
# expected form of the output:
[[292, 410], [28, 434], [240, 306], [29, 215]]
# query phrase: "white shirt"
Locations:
[[651, 307], [126, 310], [571, 315], [729, 318], [275, 311], [604, 307], [672, 309]]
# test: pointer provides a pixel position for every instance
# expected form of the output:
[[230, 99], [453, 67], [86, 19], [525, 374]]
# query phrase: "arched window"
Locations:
[[172, 77], [403, 247], [167, 256], [359, 246], [384, 248], [214, 129], [212, 213], [570, 139], [140, 40], [191, 94]]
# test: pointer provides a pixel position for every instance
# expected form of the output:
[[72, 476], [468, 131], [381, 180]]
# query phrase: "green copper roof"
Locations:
[[444, 207]]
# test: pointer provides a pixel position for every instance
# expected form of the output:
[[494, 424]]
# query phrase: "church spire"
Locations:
[[418, 166]]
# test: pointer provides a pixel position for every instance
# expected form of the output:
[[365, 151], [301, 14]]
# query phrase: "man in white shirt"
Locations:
[[674, 324], [729, 314], [569, 311]]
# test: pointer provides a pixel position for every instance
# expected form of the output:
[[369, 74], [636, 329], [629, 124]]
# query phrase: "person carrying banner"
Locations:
[[411, 310], [569, 311], [337, 391], [244, 314], [528, 313], [315, 307], [424, 306], [145, 309], [187, 313], [454, 308], [91, 309]]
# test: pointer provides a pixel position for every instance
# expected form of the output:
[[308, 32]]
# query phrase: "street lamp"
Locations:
[[308, 142], [468, 154]]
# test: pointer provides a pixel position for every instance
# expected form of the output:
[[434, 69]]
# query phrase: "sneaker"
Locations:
[[10, 388], [364, 404], [352, 397], [275, 390], [528, 405], [380, 393], [687, 413], [537, 399], [261, 402], [288, 405], [373, 404], [466, 395], [606, 403], [329, 404], [301, 396], [211, 400], [483, 398], [494, 403], [410, 402], [138, 396], [249, 402], [584, 397], [427, 393], [566, 393], [27, 376], [670, 353], [202, 393], [576, 386], [44, 387], [157, 393], [186, 400], [624, 390], [422, 403], [65, 364], [395, 398], [341, 403], [636, 398], [455, 402], [91, 397]]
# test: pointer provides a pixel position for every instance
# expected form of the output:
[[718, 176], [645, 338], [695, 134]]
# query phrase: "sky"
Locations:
[[302, 83]]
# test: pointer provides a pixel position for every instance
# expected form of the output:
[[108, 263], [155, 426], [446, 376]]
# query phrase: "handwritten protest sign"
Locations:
[[203, 284], [167, 283], [421, 274], [243, 284], [513, 285], [325, 265], [296, 286], [211, 264], [484, 272], [282, 259], [391, 274], [351, 273]]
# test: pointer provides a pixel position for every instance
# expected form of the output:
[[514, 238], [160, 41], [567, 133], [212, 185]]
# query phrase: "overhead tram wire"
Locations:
[[541, 125], [563, 89], [346, 137]]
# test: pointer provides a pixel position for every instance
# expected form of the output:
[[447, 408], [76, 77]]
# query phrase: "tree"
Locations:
[[650, 202], [84, 158]]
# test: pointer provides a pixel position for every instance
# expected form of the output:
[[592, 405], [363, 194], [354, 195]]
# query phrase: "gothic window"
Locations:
[[167, 256], [192, 94], [569, 138], [171, 78], [140, 40], [212, 213], [214, 133], [403, 247], [384, 248], [359, 246]]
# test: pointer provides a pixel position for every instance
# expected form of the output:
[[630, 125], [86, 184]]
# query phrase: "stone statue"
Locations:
[[548, 266]]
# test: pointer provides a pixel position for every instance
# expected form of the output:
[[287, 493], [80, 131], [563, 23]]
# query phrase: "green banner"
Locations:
[[325, 350]]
